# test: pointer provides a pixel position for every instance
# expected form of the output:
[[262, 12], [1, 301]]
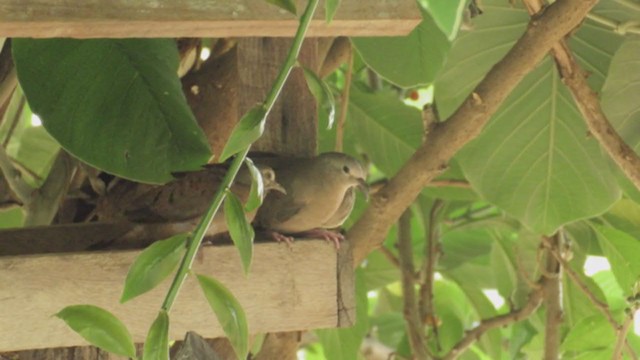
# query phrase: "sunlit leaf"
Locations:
[[330, 7], [240, 230], [100, 328], [248, 130], [230, 314], [116, 104], [256, 194], [288, 5], [156, 346], [623, 252], [153, 265], [591, 333], [447, 14]]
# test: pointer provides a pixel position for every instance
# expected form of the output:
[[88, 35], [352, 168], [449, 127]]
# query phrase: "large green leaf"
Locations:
[[117, 104], [462, 246], [153, 265], [240, 230], [386, 129], [623, 251], [156, 346], [533, 159], [247, 130], [100, 328], [229, 312], [447, 14], [590, 333], [410, 60]]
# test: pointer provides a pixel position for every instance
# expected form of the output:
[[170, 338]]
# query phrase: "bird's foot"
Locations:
[[329, 235], [281, 237]]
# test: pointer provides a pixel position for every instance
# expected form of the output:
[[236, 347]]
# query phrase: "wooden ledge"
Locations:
[[197, 18], [306, 286]]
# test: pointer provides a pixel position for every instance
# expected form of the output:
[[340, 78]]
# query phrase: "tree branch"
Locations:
[[465, 124], [415, 329], [431, 254], [552, 299], [621, 341], [575, 78], [535, 298]]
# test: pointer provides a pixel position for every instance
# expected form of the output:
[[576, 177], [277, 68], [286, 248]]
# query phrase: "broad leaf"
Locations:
[[256, 194], [322, 93], [591, 333], [156, 346], [153, 265], [462, 246], [410, 60], [533, 159], [239, 228], [330, 8], [377, 271], [116, 104], [447, 14], [100, 328], [388, 131], [623, 252], [288, 5], [229, 313], [248, 130]]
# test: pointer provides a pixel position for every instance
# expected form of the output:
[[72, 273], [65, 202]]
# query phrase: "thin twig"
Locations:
[[622, 28], [431, 254], [415, 329], [621, 340], [471, 336], [552, 300], [390, 256], [344, 107]]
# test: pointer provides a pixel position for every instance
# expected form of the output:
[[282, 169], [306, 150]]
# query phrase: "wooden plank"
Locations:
[[197, 18], [288, 288]]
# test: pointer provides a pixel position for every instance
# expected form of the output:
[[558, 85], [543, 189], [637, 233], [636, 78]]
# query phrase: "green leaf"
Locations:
[[623, 251], [100, 328], [248, 130], [386, 129], [447, 14], [229, 313], [533, 159], [116, 104], [410, 60], [156, 346], [153, 265], [36, 150], [256, 194], [322, 93], [330, 7], [591, 333], [240, 230], [377, 271], [288, 5], [462, 246]]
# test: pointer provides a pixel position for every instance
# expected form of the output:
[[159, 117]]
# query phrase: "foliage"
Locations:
[[533, 172]]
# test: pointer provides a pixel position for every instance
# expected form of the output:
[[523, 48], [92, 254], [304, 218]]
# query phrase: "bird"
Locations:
[[319, 195], [182, 202]]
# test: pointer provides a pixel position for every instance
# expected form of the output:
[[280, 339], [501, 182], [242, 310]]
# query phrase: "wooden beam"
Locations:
[[306, 286], [197, 18]]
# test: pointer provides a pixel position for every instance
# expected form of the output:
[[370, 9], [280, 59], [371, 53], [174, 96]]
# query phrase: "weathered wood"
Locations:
[[288, 288], [196, 18]]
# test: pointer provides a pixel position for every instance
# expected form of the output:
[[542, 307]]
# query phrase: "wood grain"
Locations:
[[196, 18], [288, 289]]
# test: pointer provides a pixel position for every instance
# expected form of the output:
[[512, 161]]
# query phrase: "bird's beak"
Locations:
[[364, 187], [277, 187]]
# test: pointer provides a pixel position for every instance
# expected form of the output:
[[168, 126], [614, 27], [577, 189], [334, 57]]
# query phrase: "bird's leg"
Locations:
[[328, 235], [280, 237]]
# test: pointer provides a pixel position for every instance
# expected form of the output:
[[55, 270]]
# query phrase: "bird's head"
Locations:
[[269, 180], [347, 170]]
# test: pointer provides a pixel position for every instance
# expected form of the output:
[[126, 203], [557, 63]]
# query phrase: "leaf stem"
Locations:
[[203, 226]]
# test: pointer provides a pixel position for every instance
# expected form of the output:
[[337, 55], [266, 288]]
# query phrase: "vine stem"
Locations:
[[218, 198]]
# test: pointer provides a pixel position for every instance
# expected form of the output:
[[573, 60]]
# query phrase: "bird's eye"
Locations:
[[345, 169]]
